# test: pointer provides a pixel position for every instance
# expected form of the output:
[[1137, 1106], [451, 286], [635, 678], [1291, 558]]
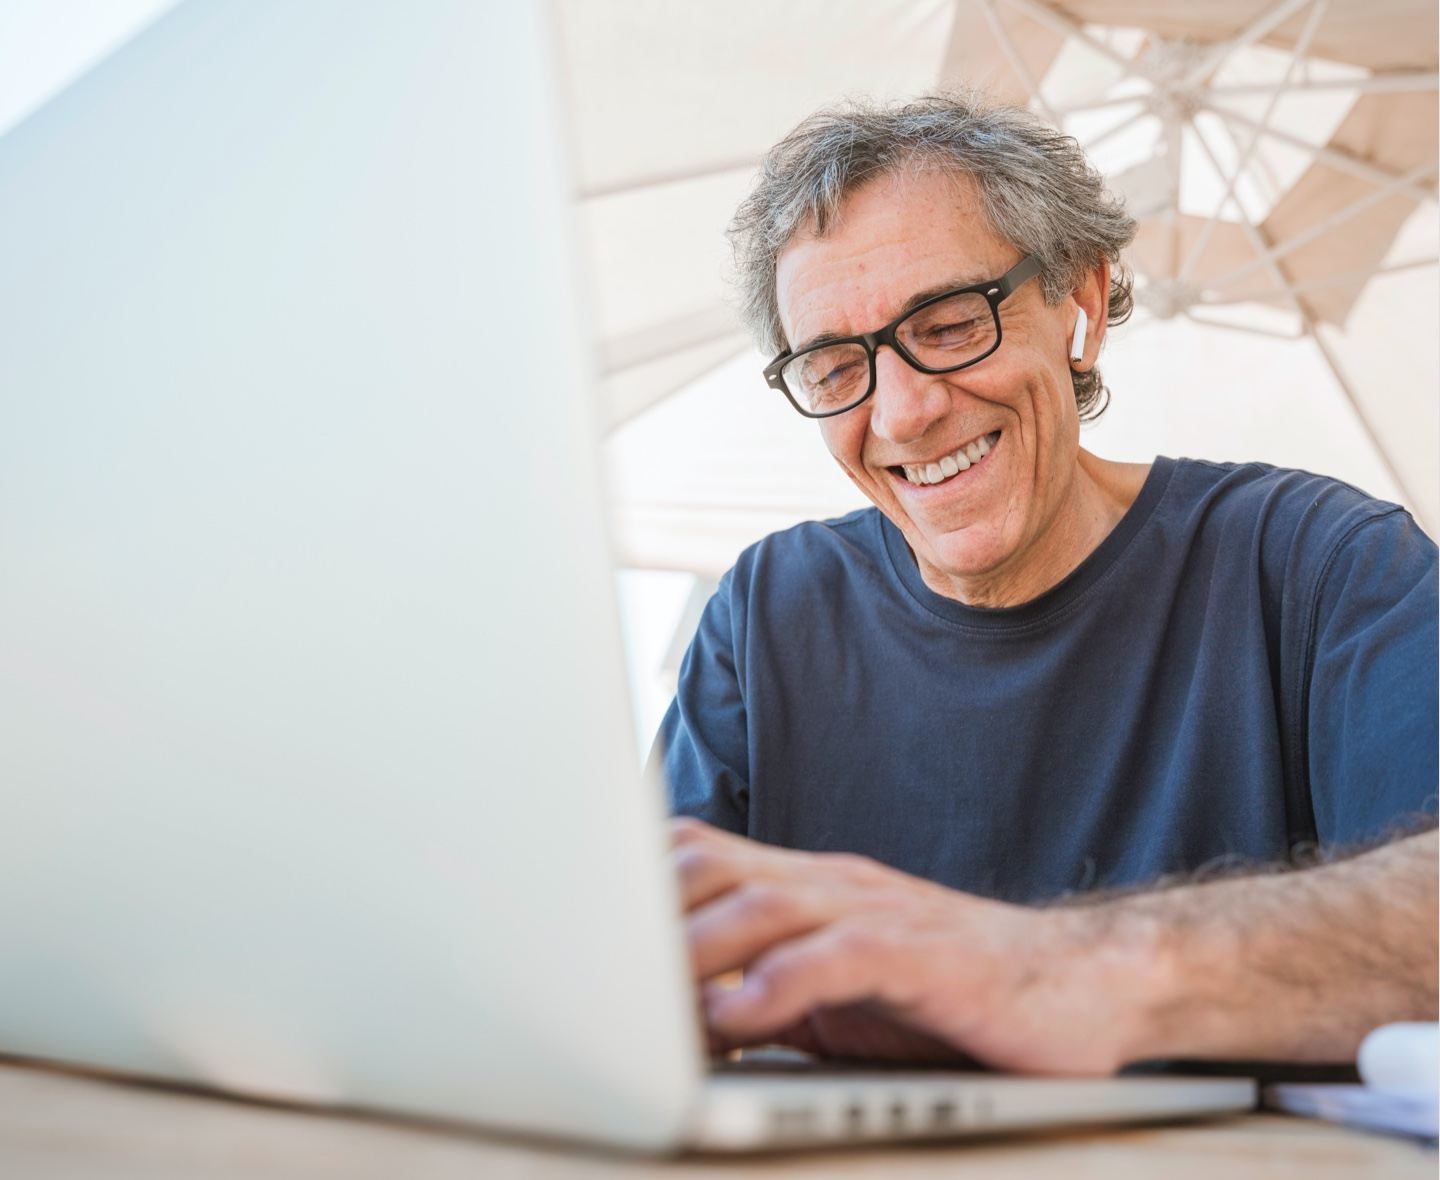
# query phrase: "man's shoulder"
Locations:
[[787, 570], [1283, 503], [1292, 529], [814, 546]]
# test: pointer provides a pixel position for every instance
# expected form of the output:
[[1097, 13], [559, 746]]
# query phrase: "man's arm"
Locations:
[[849, 957], [1295, 966], [701, 747]]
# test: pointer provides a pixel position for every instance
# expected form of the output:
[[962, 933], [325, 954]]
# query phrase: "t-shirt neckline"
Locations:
[[1059, 596]]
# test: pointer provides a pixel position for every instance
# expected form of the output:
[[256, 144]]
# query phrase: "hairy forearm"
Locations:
[[1294, 966]]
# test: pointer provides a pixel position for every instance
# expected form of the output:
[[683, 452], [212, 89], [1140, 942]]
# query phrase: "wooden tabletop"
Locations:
[[58, 1126]]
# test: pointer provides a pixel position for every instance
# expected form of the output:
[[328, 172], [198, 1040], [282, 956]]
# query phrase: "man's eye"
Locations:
[[841, 374], [828, 374], [957, 331]]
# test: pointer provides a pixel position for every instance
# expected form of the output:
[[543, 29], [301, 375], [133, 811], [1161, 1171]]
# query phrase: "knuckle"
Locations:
[[857, 869], [763, 903], [684, 828], [694, 860], [854, 941], [853, 864], [703, 872]]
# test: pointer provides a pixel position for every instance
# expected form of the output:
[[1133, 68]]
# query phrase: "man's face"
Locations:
[[1000, 522]]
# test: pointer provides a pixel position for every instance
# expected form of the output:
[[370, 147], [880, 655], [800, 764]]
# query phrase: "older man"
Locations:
[[1030, 673]]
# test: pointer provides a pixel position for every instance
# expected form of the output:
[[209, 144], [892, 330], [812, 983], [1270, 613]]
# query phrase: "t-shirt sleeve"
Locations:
[[702, 745], [1371, 716]]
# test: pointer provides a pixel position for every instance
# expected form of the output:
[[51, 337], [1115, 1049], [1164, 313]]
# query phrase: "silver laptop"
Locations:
[[315, 759]]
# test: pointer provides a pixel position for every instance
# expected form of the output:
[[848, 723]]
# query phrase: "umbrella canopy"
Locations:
[[1279, 156]]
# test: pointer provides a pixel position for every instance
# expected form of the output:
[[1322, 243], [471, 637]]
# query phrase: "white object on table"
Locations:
[[1402, 1058], [1399, 1065]]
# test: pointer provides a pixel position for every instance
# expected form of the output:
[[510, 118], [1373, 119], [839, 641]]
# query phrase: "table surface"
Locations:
[[57, 1125]]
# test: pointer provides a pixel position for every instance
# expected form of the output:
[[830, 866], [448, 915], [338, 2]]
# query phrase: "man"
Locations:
[[1032, 675]]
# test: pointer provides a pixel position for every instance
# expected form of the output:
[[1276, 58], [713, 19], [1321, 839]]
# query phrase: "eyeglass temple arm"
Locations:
[[1023, 271]]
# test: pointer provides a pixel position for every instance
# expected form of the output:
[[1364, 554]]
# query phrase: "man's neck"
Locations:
[[1101, 494]]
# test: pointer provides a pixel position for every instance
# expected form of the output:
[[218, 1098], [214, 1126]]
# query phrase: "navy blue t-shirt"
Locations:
[[1247, 663]]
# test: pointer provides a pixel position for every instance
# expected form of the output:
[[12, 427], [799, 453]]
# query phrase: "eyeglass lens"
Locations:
[[942, 335]]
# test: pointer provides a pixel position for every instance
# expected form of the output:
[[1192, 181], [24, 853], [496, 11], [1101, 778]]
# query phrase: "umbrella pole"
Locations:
[[1350, 396]]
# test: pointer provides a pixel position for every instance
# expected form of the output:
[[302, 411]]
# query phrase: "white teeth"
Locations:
[[961, 460]]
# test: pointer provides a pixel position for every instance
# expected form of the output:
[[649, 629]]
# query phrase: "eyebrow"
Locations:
[[908, 306]]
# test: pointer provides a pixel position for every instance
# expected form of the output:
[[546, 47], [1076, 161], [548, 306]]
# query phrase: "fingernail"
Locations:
[[752, 987], [721, 1002]]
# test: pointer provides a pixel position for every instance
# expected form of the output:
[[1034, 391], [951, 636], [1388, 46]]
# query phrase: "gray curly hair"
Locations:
[[1037, 189]]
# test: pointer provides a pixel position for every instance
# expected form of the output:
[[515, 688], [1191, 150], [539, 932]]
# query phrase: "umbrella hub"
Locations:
[[1178, 105], [1178, 71]]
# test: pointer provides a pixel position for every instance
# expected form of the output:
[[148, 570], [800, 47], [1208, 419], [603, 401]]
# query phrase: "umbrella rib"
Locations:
[[1124, 125], [1261, 26], [1386, 83], [660, 179], [1257, 240], [1364, 420], [1338, 158], [1354, 209], [658, 341], [1103, 104], [1302, 47], [1017, 63], [1270, 259], [614, 420], [1248, 329], [1068, 27], [1342, 278], [1173, 145]]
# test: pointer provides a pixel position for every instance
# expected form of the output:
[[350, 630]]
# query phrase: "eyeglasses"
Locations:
[[950, 331]]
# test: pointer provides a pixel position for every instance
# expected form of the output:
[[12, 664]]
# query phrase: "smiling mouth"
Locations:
[[947, 467]]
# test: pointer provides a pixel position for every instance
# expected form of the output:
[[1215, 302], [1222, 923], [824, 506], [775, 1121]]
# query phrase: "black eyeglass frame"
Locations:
[[996, 292]]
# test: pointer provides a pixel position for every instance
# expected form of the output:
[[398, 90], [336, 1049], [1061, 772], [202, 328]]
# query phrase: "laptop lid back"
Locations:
[[314, 748]]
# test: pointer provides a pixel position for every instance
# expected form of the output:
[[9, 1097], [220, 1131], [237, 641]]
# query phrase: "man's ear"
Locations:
[[1093, 298]]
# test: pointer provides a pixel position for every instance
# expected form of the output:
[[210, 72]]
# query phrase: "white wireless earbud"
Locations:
[[1077, 342]]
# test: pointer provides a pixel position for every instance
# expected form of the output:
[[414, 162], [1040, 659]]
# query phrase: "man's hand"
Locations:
[[846, 957]]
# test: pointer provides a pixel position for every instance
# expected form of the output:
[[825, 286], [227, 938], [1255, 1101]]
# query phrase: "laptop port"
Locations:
[[855, 1120], [942, 1114]]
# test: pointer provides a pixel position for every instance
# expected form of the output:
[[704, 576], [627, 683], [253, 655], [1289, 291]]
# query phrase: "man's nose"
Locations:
[[906, 402]]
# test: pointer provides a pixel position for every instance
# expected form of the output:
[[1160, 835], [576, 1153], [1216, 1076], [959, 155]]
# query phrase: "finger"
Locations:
[[874, 1032], [733, 930], [704, 871], [686, 829], [839, 964], [799, 1037], [707, 867]]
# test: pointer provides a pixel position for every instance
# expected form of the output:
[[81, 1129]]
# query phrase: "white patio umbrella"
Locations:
[[1280, 157]]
